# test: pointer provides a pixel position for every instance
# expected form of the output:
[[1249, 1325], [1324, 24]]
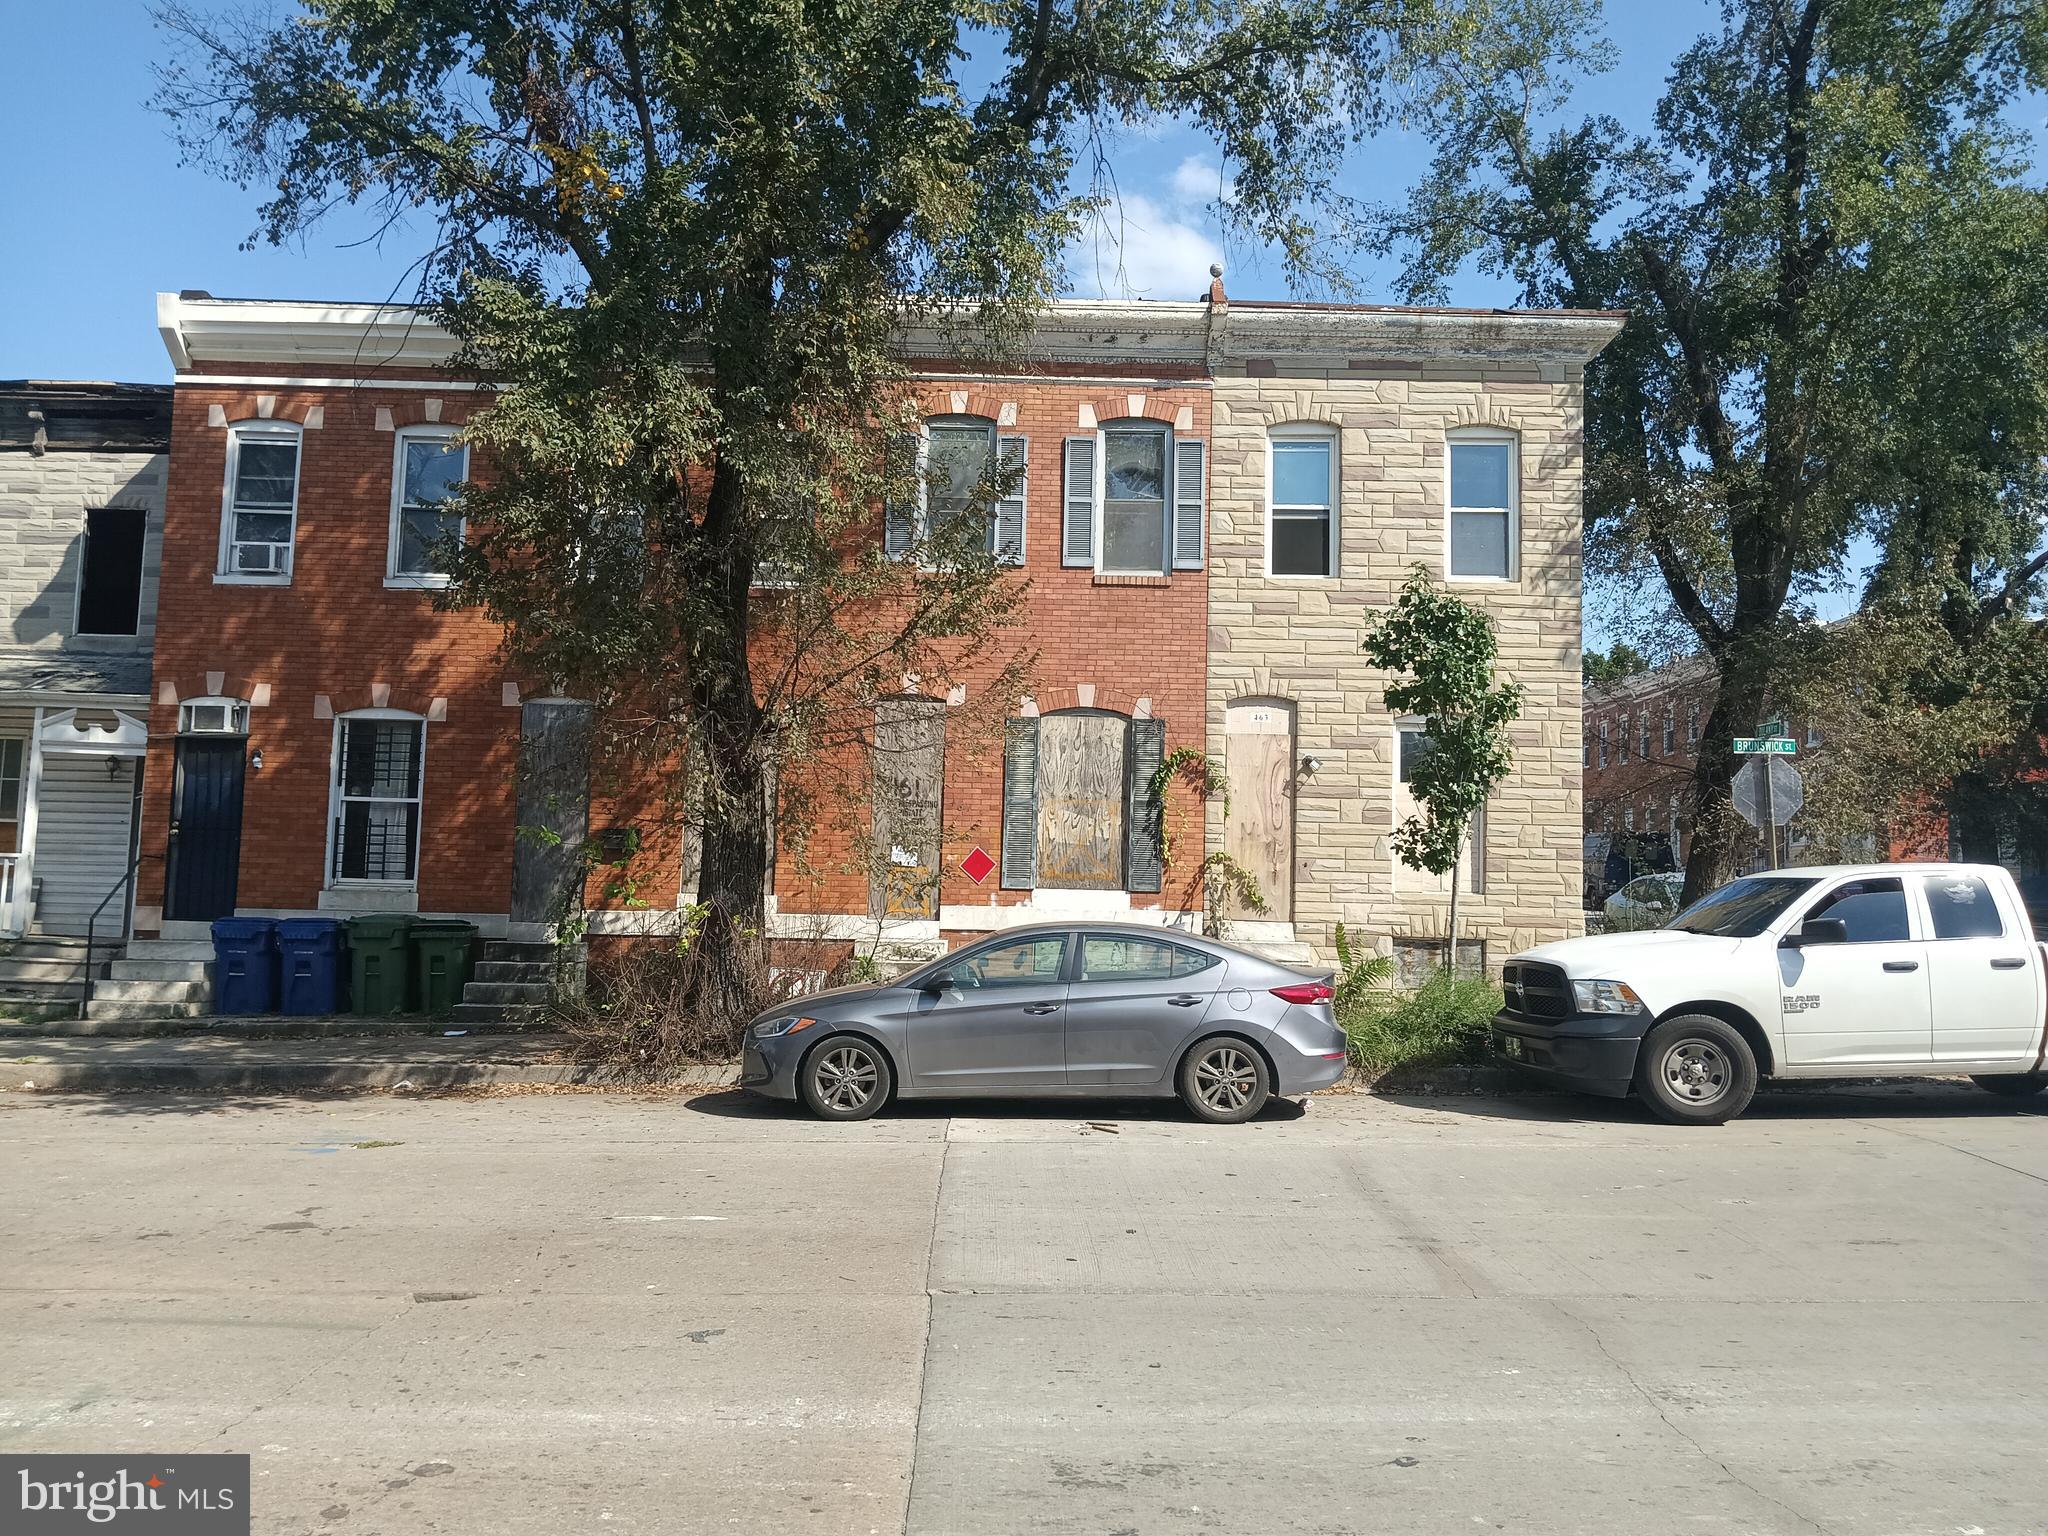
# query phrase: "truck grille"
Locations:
[[1536, 992]]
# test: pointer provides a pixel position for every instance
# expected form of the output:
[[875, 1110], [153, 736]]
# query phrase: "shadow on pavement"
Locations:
[[1820, 1099], [737, 1104]]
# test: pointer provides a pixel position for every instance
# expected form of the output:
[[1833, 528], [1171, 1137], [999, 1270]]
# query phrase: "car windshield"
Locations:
[[1742, 910]]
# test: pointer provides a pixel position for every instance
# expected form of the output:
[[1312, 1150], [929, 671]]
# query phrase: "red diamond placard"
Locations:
[[978, 865]]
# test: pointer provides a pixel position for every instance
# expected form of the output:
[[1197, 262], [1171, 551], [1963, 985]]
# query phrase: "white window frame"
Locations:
[[332, 879], [1135, 424], [1472, 862], [1670, 738], [994, 434], [1643, 734], [1692, 723], [20, 782], [1467, 436], [234, 718], [393, 576], [1314, 432], [1600, 729], [1624, 735], [224, 572]]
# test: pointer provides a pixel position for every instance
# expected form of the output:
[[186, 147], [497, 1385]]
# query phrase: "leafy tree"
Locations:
[[1829, 258], [688, 243], [1446, 651], [1619, 661]]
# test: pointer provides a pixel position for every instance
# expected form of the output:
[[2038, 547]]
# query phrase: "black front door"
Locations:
[[205, 850]]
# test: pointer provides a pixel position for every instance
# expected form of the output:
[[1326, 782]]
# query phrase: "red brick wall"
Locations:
[[1129, 641], [337, 630]]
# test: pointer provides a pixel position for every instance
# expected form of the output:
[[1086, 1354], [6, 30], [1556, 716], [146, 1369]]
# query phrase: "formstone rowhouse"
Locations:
[[1214, 495]]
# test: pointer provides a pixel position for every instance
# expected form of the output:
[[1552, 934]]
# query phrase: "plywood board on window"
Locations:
[[1082, 760]]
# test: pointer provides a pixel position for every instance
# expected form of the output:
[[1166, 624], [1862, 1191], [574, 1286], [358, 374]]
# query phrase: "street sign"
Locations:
[[1765, 746], [1775, 799]]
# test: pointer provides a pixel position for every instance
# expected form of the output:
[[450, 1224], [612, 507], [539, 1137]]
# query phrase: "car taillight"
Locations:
[[1306, 992]]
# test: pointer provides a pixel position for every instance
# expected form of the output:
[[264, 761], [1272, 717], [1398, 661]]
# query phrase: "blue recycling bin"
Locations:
[[311, 971], [245, 965]]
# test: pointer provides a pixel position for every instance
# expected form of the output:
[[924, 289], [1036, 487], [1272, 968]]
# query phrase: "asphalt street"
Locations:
[[581, 1312]]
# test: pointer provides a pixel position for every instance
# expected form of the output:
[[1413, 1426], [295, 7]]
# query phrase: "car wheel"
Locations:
[[845, 1078], [1224, 1081], [1695, 1070], [2011, 1085]]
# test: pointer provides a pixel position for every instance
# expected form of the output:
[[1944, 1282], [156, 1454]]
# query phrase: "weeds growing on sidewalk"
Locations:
[[1442, 1023]]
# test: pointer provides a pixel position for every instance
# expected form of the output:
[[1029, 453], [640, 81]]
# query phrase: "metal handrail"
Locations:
[[85, 982]]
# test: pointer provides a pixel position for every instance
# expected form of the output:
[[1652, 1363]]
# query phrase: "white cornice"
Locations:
[[363, 339], [1304, 333]]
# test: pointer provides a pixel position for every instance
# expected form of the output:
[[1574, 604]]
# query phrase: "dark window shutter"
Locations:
[[1020, 803], [903, 496], [1144, 868], [1010, 510], [1077, 533], [1190, 460]]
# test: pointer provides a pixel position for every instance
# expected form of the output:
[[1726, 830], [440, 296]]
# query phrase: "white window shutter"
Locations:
[[1010, 516], [1077, 533], [1190, 480]]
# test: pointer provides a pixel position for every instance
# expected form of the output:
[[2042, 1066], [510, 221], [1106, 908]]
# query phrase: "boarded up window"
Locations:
[[1082, 758], [910, 769]]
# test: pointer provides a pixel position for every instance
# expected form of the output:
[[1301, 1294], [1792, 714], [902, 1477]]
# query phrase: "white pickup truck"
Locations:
[[1863, 970]]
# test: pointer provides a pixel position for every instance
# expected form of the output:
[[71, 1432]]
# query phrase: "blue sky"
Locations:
[[101, 215]]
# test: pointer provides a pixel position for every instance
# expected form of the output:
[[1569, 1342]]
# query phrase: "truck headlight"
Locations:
[[1606, 997], [788, 1024]]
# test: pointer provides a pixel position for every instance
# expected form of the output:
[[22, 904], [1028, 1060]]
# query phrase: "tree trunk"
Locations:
[[1718, 833], [727, 983], [1451, 943]]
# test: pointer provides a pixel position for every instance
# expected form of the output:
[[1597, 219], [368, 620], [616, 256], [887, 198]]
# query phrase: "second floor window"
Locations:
[[1670, 730], [1644, 743], [1603, 743], [1624, 738], [964, 472], [1133, 498], [1483, 490], [1692, 723], [1302, 533], [262, 501], [430, 466]]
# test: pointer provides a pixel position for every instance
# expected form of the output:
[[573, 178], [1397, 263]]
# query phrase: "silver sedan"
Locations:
[[1099, 1010]]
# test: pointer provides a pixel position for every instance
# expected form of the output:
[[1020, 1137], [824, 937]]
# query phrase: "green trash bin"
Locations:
[[379, 974], [441, 950]]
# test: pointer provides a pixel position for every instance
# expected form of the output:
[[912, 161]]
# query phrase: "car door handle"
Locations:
[[1041, 1007], [1902, 965], [2007, 964], [1184, 1001]]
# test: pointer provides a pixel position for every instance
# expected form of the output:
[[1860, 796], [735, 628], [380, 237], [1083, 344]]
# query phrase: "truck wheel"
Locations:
[[2011, 1085], [1695, 1070]]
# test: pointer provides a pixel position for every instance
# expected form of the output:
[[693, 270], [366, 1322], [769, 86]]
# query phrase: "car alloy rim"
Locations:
[[846, 1077], [1697, 1071], [1225, 1079]]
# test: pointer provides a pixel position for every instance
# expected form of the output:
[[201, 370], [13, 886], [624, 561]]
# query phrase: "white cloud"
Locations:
[[1198, 183], [1137, 249]]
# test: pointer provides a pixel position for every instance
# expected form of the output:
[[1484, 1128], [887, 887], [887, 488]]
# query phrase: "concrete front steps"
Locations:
[[513, 984], [45, 970], [156, 979]]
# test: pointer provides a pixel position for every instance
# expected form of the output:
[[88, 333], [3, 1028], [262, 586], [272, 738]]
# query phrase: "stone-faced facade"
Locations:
[[82, 469], [1352, 445]]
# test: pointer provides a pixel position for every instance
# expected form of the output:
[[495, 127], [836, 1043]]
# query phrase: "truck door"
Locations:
[[1865, 1001], [1986, 991]]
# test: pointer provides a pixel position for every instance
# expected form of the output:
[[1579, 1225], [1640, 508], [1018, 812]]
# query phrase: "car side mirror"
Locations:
[[937, 982], [1817, 930]]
